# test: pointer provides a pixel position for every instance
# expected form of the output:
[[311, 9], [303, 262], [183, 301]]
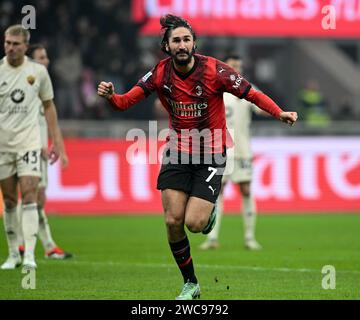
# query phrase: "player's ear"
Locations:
[[167, 48], [195, 46]]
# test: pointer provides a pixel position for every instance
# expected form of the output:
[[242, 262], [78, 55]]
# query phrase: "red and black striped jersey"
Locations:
[[194, 101]]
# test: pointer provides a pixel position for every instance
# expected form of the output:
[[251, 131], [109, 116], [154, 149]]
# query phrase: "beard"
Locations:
[[182, 61]]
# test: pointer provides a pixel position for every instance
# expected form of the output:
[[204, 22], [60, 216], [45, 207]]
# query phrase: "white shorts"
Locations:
[[238, 170], [44, 173], [26, 163]]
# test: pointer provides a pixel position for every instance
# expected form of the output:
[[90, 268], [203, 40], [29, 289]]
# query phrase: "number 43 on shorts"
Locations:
[[30, 162], [31, 157]]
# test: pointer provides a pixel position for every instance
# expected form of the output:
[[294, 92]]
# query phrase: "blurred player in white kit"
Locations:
[[52, 250]]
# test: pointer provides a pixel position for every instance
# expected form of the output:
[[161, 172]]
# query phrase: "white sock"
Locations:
[[44, 231], [249, 217], [11, 230], [214, 234], [20, 235], [30, 224]]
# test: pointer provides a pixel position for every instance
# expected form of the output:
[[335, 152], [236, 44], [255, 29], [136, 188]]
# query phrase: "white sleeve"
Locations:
[[46, 91]]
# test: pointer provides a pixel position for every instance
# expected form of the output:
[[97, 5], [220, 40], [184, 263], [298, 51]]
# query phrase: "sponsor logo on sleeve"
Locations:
[[147, 76], [238, 81]]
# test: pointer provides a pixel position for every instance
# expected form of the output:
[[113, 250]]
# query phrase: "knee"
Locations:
[[173, 221], [29, 196], [10, 200], [196, 224]]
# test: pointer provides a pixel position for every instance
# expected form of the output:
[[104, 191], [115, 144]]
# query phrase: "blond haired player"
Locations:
[[52, 250], [239, 164], [24, 87]]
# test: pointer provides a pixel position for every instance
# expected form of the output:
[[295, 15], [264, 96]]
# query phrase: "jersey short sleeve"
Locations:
[[229, 80], [46, 91]]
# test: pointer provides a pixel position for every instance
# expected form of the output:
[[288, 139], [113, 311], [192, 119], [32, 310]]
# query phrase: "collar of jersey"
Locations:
[[6, 63], [183, 76]]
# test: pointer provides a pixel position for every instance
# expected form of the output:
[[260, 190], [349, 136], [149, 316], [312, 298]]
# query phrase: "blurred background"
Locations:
[[288, 52]]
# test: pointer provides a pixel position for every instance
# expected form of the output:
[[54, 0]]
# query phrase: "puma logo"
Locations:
[[213, 190], [167, 88]]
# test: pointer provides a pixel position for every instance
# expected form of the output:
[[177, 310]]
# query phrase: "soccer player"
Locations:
[[52, 251], [191, 87], [24, 86], [239, 162]]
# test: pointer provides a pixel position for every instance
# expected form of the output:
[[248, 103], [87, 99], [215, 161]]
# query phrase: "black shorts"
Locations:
[[202, 180]]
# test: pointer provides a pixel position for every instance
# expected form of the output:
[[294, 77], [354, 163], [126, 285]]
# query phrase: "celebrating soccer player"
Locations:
[[191, 87]]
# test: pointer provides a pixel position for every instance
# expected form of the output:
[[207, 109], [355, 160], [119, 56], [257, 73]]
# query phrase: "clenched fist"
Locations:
[[289, 117], [105, 89]]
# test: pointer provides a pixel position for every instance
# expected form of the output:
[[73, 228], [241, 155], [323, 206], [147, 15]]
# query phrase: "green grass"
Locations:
[[128, 257]]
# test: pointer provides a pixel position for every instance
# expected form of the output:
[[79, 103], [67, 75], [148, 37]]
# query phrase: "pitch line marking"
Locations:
[[205, 266]]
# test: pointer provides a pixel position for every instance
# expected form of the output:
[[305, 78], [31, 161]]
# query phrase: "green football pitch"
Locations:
[[128, 257]]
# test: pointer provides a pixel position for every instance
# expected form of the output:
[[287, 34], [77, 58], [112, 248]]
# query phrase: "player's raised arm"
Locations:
[[121, 101], [265, 103], [145, 86], [231, 81]]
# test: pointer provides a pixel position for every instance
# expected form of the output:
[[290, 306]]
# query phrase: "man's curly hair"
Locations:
[[169, 23]]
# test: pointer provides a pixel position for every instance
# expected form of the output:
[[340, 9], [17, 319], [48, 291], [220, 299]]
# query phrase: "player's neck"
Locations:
[[16, 62], [185, 69]]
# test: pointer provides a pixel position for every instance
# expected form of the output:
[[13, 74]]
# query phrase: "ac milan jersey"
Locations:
[[194, 101]]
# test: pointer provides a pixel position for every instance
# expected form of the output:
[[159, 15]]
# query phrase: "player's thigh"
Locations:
[[245, 188], [29, 173], [28, 188], [207, 181], [175, 182], [8, 178], [175, 177], [197, 213], [9, 191], [205, 191], [174, 204]]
